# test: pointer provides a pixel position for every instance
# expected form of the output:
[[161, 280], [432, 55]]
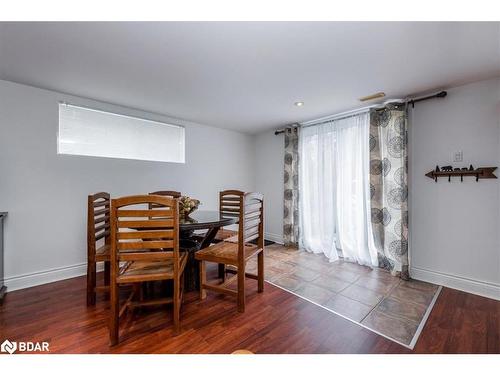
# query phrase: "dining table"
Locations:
[[197, 231]]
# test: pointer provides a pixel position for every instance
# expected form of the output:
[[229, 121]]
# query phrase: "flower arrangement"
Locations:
[[187, 205]]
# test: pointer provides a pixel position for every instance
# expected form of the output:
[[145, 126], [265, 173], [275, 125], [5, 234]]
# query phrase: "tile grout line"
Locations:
[[348, 286], [381, 300]]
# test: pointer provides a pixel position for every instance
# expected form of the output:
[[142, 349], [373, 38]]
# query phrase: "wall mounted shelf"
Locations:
[[484, 172]]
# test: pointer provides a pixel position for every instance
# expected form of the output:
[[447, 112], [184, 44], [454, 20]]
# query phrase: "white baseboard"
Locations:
[[485, 289], [274, 237], [44, 277]]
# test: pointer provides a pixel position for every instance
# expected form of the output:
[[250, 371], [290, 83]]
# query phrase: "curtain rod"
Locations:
[[355, 112]]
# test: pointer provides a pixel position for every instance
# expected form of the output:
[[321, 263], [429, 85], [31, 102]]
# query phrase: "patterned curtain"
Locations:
[[291, 185], [389, 188]]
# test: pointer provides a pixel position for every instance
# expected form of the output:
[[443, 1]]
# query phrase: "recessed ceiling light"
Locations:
[[299, 104], [371, 97]]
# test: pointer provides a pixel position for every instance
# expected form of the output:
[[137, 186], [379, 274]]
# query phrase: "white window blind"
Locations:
[[89, 132]]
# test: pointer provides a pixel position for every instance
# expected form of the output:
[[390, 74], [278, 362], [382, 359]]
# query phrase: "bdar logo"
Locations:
[[8, 347], [23, 346]]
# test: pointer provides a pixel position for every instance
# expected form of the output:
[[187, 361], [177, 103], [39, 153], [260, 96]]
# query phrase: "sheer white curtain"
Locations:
[[334, 186]]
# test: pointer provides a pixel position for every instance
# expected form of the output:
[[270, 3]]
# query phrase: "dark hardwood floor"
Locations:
[[275, 322]]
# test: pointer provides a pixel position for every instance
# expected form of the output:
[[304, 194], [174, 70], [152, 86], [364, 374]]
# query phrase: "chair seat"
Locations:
[[224, 234], [226, 252], [102, 253], [232, 239], [148, 270]]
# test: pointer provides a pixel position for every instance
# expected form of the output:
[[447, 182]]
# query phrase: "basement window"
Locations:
[[91, 132]]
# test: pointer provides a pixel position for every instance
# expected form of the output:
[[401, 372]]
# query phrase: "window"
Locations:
[[89, 132]]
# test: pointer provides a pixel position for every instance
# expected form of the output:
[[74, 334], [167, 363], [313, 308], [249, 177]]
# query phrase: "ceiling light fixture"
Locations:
[[299, 104], [373, 96]]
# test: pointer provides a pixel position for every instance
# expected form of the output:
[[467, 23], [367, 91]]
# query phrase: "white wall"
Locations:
[[46, 194], [269, 163], [455, 226]]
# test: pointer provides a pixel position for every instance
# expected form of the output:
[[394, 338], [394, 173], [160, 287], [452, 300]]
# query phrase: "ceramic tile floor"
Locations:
[[370, 297]]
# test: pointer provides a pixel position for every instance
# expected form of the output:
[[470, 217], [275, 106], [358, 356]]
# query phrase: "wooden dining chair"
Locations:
[[98, 243], [144, 247], [250, 210]]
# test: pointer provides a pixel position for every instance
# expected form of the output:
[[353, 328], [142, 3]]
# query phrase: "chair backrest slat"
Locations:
[[136, 224], [144, 245], [102, 235], [146, 235], [102, 211], [252, 222], [144, 255], [167, 214]]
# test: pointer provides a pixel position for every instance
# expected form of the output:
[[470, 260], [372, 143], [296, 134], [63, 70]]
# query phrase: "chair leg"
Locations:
[[260, 272], [241, 288], [203, 280], [114, 314], [137, 289], [107, 270], [222, 271], [141, 292], [146, 287], [177, 305], [91, 283], [107, 275], [182, 288]]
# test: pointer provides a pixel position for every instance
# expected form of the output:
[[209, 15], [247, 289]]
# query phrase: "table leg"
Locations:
[[209, 237], [191, 272], [222, 271]]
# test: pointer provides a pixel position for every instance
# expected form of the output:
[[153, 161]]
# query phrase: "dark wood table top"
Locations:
[[206, 220]]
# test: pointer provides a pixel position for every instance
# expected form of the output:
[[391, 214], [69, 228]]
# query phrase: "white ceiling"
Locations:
[[246, 76]]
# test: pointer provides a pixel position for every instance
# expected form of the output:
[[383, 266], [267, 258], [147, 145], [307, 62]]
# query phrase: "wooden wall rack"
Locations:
[[483, 172]]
